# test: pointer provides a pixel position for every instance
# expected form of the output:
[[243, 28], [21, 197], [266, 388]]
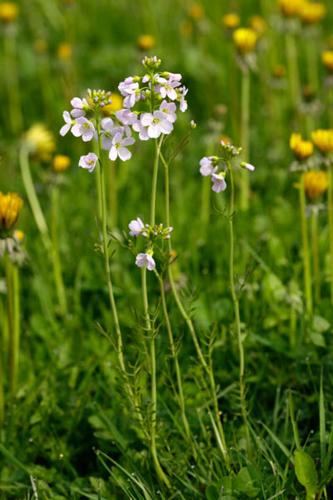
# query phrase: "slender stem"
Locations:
[[113, 195], [315, 252], [15, 112], [242, 387], [293, 71], [57, 268], [158, 144], [330, 225], [306, 253], [245, 137], [159, 471], [174, 355], [312, 63], [207, 367], [13, 312]]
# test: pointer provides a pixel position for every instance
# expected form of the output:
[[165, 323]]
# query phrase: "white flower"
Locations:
[[167, 87], [156, 123], [88, 162], [130, 90], [207, 166], [183, 102], [126, 117], [78, 107], [143, 132], [84, 128], [107, 132], [145, 260], [219, 183], [68, 123], [169, 109], [136, 227], [248, 166], [119, 147]]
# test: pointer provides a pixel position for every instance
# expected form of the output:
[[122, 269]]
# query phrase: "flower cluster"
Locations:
[[308, 12], [138, 228], [216, 166], [149, 112], [301, 148]]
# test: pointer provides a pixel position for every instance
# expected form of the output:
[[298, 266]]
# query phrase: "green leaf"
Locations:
[[243, 483], [306, 473]]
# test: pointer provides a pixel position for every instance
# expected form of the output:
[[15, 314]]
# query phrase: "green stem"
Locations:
[[293, 71], [159, 471], [242, 387], [306, 253], [57, 268], [158, 144], [175, 359], [330, 225], [13, 311], [315, 252], [245, 137], [15, 112], [113, 195], [312, 63], [206, 367]]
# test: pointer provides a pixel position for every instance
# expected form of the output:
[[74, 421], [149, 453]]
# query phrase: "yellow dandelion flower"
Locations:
[[10, 207], [291, 8], [8, 12], [115, 105], [258, 24], [64, 51], [312, 13], [146, 42], [315, 183], [231, 20], [301, 149], [40, 142], [196, 11], [245, 39], [61, 163], [327, 59], [323, 140]]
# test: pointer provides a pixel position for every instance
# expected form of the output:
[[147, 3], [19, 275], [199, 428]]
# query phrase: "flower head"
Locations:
[[312, 13], [219, 183], [84, 128], [291, 8], [157, 123], [207, 165], [145, 260], [302, 149], [231, 20], [10, 208], [119, 147], [146, 42], [136, 227], [40, 142], [8, 12], [315, 183], [196, 11], [61, 163], [245, 40], [115, 105], [323, 140], [258, 24], [88, 162], [64, 51], [327, 59]]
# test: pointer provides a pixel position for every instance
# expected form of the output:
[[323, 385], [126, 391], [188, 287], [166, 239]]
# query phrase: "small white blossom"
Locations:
[[219, 183], [207, 166], [248, 166], [145, 260], [143, 132], [88, 162], [156, 123], [130, 90], [169, 109], [68, 123], [78, 107], [126, 117], [136, 227], [84, 128], [167, 87], [119, 147], [183, 103]]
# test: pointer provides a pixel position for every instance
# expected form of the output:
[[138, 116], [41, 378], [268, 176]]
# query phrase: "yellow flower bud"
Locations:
[[196, 11], [19, 235], [65, 51], [245, 39], [8, 12], [323, 140], [315, 183], [312, 13], [327, 59], [61, 163], [10, 207], [40, 142], [115, 105], [146, 42], [301, 149], [291, 8], [231, 20]]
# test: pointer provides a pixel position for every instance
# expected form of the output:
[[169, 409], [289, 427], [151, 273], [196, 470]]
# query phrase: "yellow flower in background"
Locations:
[[258, 24], [323, 140], [146, 42], [245, 39], [327, 59], [301, 149], [312, 13], [196, 11], [65, 51], [61, 163], [291, 8], [231, 20], [115, 105], [10, 207], [19, 235], [40, 142], [8, 12], [315, 183]]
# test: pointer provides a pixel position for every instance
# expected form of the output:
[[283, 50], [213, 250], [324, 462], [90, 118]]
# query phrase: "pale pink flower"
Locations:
[[119, 147], [84, 128], [88, 162], [136, 227], [145, 260], [219, 183], [156, 123], [169, 109]]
